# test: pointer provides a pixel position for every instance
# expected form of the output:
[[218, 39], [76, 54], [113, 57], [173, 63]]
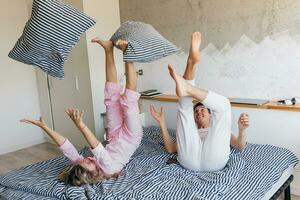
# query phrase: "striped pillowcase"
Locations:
[[145, 44], [49, 35]]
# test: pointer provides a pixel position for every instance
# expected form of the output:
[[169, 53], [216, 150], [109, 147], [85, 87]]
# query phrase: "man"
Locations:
[[211, 119]]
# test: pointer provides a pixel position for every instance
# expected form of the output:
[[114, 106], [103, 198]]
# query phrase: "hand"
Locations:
[[40, 123], [243, 122], [76, 116], [158, 116]]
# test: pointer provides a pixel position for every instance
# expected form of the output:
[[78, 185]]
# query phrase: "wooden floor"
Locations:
[[27, 156], [36, 154]]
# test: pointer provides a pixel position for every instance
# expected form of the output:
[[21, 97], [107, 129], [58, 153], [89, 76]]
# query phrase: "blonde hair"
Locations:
[[77, 175]]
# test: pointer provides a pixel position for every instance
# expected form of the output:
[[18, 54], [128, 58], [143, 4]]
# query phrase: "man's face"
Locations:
[[201, 115]]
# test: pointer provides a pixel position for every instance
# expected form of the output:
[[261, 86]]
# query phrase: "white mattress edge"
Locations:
[[285, 175]]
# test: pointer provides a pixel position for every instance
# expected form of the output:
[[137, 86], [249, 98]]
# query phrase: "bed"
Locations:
[[258, 172]]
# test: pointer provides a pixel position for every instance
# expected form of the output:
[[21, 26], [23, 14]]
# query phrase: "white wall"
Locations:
[[18, 87], [106, 13], [247, 69]]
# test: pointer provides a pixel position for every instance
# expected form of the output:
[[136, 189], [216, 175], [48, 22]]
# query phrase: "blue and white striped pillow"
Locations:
[[145, 44], [49, 35]]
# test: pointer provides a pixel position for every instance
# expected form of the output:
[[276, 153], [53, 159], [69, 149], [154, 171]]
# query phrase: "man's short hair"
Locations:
[[200, 104]]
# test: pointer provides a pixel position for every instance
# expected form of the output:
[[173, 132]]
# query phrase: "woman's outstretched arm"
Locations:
[[55, 136], [76, 117]]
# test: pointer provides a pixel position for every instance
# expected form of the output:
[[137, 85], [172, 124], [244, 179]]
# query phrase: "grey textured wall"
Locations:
[[220, 21]]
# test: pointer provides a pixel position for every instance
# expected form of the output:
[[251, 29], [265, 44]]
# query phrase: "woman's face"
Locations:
[[88, 164]]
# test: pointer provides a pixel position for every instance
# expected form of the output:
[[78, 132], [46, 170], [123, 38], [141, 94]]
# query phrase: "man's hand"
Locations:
[[243, 122], [76, 115], [40, 123], [158, 116]]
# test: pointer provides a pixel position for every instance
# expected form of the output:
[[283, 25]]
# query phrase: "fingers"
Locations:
[[74, 113], [152, 111], [29, 121], [155, 110], [150, 108], [77, 114], [67, 111], [245, 123], [244, 117], [244, 120], [24, 121], [71, 112]]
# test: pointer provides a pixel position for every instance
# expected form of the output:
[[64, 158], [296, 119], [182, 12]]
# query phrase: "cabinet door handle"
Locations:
[[49, 80], [76, 83]]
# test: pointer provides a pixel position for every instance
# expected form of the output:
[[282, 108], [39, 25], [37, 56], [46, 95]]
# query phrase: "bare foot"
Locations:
[[182, 86], [107, 45], [194, 54], [121, 44]]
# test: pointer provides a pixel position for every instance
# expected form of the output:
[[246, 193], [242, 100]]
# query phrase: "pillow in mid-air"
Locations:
[[145, 44], [49, 35]]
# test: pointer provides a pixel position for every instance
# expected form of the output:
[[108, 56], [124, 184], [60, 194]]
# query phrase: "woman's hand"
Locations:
[[76, 115], [158, 116], [40, 123]]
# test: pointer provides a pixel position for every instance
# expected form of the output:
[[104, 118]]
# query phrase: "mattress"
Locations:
[[285, 175], [249, 174]]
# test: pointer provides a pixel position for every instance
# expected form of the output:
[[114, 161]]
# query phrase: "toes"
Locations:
[[172, 71], [197, 34], [96, 39]]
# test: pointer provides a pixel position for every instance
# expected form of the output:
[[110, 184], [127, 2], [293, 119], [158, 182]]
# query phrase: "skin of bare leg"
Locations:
[[131, 77], [194, 56], [183, 88], [111, 71]]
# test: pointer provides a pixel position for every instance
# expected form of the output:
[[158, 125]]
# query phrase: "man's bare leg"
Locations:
[[183, 88], [111, 71], [194, 57], [189, 144]]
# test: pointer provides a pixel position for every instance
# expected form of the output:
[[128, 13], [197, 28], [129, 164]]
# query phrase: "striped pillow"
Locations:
[[145, 44], [49, 35]]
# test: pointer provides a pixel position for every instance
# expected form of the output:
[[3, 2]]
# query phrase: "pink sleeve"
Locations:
[[102, 156], [70, 151]]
